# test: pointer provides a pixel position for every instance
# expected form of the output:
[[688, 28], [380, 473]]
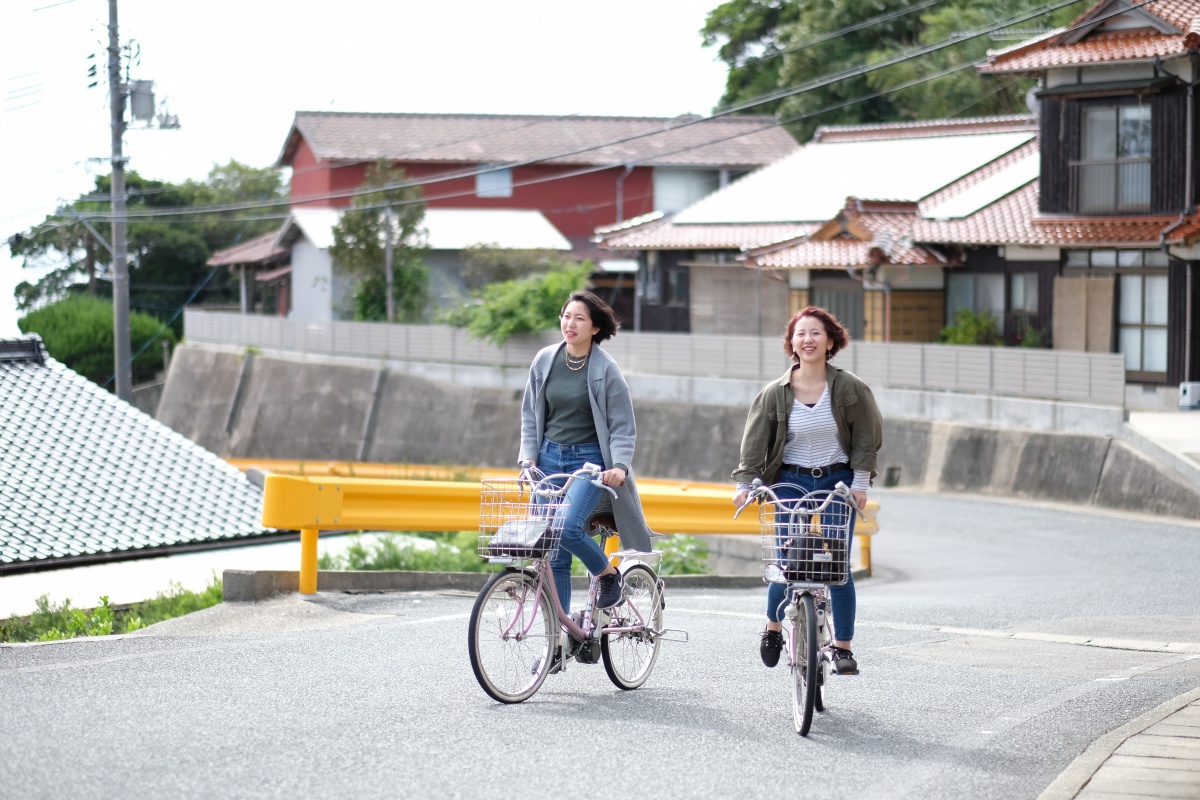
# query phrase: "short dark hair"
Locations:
[[601, 313], [835, 330]]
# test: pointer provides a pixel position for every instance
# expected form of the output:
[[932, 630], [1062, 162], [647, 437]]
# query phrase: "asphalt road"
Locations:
[[997, 640]]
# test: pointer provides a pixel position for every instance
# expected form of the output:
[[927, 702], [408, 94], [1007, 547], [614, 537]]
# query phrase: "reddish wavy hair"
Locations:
[[835, 330]]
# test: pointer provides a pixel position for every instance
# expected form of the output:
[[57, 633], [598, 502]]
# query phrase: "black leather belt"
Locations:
[[817, 472]]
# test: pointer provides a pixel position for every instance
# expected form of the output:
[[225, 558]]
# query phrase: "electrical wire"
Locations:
[[808, 86]]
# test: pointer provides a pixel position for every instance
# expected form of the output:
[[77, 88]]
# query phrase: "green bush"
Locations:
[[684, 555], [51, 621], [527, 305], [454, 552], [972, 328], [78, 331]]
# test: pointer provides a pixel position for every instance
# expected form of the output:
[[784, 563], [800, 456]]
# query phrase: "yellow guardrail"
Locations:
[[312, 502]]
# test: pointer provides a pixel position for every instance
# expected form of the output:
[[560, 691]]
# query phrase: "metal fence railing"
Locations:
[[1097, 378]]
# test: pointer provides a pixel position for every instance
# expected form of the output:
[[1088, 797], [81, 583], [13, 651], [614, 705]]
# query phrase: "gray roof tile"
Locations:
[[84, 474]]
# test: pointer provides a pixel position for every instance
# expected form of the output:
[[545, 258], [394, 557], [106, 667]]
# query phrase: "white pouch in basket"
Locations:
[[522, 538]]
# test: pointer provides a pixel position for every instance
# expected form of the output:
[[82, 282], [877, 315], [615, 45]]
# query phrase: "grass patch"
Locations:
[[52, 621], [456, 552]]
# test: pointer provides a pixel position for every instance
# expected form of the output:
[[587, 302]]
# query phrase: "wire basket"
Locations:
[[807, 540], [520, 520]]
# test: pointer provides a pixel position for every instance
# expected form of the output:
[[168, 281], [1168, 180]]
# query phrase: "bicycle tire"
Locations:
[[804, 664], [629, 657], [511, 636]]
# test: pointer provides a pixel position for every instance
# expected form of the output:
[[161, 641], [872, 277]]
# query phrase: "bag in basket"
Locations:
[[522, 538], [815, 559]]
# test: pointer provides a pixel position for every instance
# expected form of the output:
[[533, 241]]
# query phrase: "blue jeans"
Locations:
[[552, 458], [841, 598]]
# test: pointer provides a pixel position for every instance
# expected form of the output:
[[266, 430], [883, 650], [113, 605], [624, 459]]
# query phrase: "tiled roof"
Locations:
[[667, 235], [481, 138], [85, 476], [1173, 34], [261, 250], [858, 237], [937, 127], [1014, 219]]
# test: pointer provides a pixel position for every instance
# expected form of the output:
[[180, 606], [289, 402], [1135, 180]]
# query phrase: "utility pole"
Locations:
[[120, 284], [387, 265]]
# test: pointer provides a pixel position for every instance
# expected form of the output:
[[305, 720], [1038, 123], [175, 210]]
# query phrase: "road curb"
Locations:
[[1077, 774]]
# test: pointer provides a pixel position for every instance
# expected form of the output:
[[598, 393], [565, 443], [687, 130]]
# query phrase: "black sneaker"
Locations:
[[556, 662], [610, 591], [770, 647], [843, 662]]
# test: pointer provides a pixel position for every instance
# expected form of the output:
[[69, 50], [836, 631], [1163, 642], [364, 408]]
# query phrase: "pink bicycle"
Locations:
[[519, 633]]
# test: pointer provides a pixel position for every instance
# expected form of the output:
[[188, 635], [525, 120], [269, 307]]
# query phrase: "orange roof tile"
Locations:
[[1172, 28]]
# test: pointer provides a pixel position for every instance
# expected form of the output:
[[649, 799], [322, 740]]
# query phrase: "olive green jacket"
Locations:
[[860, 426]]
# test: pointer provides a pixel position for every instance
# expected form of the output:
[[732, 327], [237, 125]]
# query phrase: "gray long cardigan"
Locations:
[[612, 411]]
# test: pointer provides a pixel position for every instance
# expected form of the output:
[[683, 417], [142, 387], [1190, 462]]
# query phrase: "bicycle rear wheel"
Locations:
[[629, 656], [511, 636], [804, 664]]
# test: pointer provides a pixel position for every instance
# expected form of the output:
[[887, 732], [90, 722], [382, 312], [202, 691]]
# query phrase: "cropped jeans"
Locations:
[[584, 497], [841, 598]]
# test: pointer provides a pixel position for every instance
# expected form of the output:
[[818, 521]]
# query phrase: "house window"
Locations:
[[977, 293], [1023, 293], [1112, 174], [1141, 305], [652, 285], [495, 182], [677, 285]]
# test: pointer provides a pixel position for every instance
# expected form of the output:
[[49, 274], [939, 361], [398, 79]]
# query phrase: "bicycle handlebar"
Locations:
[[759, 490], [542, 485]]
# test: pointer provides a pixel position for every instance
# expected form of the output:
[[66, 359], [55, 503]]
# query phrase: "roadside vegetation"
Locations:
[[456, 552], [51, 621]]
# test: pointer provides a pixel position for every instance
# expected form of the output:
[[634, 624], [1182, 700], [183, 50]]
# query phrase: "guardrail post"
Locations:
[[308, 561]]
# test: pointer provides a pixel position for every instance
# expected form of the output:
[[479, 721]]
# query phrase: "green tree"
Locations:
[[359, 247], [484, 264], [167, 253], [526, 305], [78, 331], [802, 34], [748, 33]]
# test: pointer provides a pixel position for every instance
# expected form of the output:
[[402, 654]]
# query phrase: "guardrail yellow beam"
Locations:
[[311, 504]]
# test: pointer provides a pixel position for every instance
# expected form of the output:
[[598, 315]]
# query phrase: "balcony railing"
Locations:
[[1116, 186]]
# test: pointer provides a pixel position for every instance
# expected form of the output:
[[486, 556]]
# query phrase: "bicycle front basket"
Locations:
[[516, 523], [802, 544]]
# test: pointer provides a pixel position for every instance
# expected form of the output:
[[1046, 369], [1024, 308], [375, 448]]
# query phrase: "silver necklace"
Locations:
[[575, 364]]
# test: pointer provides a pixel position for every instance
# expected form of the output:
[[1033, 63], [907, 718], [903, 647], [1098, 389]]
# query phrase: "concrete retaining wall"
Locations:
[[246, 406]]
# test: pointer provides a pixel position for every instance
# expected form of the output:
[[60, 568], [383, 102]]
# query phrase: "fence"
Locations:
[[1043, 374]]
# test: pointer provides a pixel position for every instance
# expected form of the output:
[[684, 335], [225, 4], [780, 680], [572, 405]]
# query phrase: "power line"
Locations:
[[809, 86]]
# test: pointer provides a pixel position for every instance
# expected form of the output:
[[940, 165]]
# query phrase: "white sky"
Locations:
[[236, 72]]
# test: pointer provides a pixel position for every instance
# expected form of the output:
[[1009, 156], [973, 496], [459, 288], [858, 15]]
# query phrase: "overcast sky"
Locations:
[[236, 72]]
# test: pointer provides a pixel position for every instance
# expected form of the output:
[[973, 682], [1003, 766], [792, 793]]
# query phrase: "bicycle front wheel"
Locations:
[[629, 656], [804, 664], [511, 636]]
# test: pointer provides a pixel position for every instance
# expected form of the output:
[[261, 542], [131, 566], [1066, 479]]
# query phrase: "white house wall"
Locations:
[[312, 283]]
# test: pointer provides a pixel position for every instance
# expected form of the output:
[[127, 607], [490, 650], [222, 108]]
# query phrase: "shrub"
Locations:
[[527, 305], [972, 328], [450, 553], [78, 331], [51, 621]]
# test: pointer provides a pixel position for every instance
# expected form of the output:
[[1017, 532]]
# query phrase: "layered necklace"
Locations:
[[575, 364]]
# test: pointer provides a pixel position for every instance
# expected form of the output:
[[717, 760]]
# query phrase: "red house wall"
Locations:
[[575, 204]]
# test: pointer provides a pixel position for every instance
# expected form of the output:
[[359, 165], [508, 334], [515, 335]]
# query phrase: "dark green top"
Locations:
[[568, 408]]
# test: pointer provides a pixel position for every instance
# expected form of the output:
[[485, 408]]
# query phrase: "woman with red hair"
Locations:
[[815, 426]]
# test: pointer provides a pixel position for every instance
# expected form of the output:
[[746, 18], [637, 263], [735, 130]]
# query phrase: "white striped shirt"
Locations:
[[812, 439]]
